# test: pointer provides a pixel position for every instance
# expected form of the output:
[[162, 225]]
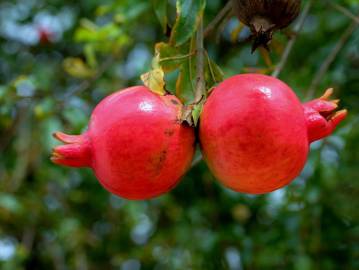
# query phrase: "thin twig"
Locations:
[[9, 133], [291, 42], [191, 45], [222, 25], [345, 11], [200, 81], [200, 87], [179, 57], [210, 68], [330, 59], [220, 16], [28, 237], [23, 148]]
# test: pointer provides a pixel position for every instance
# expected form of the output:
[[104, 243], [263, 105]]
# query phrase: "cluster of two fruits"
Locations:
[[254, 135]]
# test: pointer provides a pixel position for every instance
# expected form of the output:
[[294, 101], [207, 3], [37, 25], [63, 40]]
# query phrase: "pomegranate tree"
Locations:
[[135, 144], [255, 133]]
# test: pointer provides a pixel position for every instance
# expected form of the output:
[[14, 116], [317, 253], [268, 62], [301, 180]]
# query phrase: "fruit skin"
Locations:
[[135, 144], [255, 133]]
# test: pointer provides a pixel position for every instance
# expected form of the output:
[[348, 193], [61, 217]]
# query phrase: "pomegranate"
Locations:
[[255, 133], [135, 144], [263, 17]]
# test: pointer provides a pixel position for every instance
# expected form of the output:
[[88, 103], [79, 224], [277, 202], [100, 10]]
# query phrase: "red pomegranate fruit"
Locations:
[[135, 144], [255, 133]]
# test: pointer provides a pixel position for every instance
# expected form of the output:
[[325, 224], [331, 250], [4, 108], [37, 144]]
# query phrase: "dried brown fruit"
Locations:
[[266, 16]]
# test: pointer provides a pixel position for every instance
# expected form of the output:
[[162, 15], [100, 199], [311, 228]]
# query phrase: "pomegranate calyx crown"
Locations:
[[75, 152], [322, 116]]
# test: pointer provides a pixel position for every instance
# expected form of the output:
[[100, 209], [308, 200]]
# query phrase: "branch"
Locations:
[[28, 237], [222, 25], [200, 81], [23, 110], [345, 11], [220, 16], [330, 59], [291, 42], [179, 57], [200, 87]]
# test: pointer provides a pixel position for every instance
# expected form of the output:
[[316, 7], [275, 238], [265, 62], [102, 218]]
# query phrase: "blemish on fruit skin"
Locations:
[[163, 155], [159, 161], [175, 102], [169, 132]]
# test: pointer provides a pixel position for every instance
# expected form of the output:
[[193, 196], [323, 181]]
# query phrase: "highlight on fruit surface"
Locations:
[[255, 133], [135, 144], [264, 17]]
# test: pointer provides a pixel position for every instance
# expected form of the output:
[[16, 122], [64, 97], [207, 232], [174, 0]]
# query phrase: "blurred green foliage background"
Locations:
[[58, 59]]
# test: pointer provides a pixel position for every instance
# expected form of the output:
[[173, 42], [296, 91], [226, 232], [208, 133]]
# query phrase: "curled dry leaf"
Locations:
[[154, 80]]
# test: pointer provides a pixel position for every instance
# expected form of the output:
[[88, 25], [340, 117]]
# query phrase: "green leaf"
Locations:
[[77, 68], [188, 14], [10, 203], [107, 38], [90, 55], [133, 12], [213, 74], [170, 58], [196, 112], [160, 7], [86, 32], [167, 59], [184, 84]]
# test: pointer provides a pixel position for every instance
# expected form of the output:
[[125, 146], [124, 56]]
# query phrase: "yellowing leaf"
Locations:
[[77, 68], [154, 80]]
